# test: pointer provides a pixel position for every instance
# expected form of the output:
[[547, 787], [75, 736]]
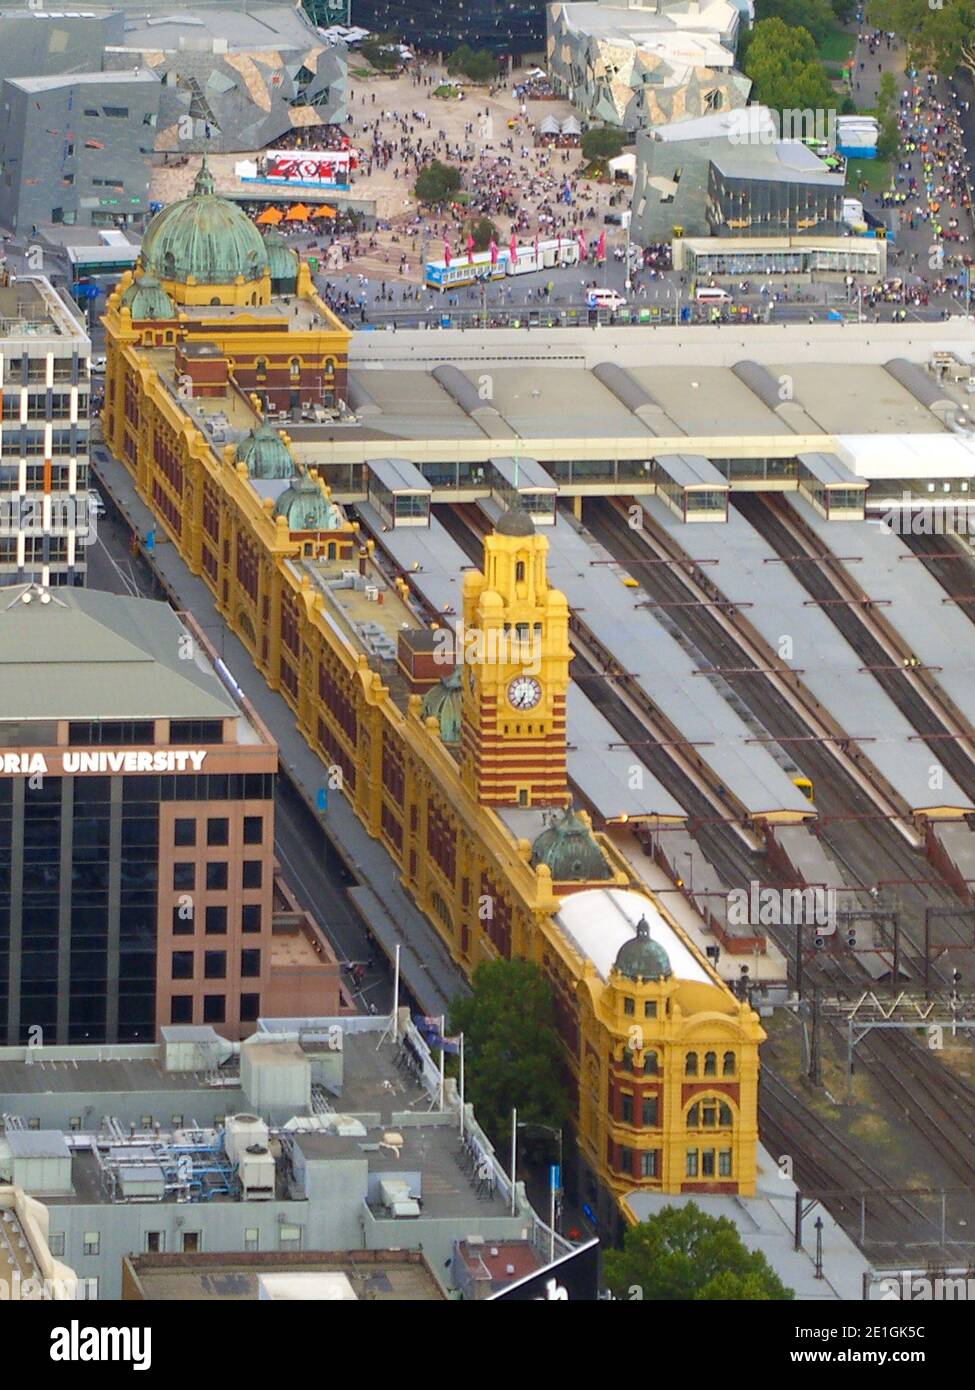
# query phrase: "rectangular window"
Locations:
[[250, 1007], [648, 1164], [182, 965], [216, 921], [184, 875], [185, 831], [250, 964], [707, 1163], [250, 917], [217, 874], [183, 920], [155, 1242], [196, 732], [289, 1238], [215, 965], [690, 1164], [181, 1008], [214, 1008], [648, 1112], [55, 1243], [628, 1005], [626, 1108], [253, 875], [92, 1243], [253, 830], [191, 1242], [218, 831], [252, 1238], [724, 1163], [650, 1008]]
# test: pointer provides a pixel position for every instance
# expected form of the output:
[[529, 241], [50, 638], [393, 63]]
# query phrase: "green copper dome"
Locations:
[[642, 958], [570, 851], [306, 508], [283, 262], [444, 702], [266, 454], [145, 298], [204, 236]]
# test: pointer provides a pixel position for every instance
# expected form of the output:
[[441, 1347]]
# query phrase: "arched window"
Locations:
[[728, 1064], [520, 572], [709, 1113], [329, 366], [690, 1064], [294, 366], [710, 1064], [260, 367], [650, 1063], [169, 265]]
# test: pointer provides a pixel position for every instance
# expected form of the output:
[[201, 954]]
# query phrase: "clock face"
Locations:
[[524, 692]]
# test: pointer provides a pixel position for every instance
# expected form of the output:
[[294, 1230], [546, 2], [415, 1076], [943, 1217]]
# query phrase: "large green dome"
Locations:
[[145, 298], [444, 702], [306, 508], [205, 237], [571, 852], [266, 454], [641, 958]]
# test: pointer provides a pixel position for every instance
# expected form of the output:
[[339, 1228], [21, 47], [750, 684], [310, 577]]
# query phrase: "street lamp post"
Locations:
[[555, 1208]]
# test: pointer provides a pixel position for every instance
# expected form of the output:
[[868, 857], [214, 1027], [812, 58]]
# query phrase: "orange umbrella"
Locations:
[[297, 213], [324, 211], [270, 217]]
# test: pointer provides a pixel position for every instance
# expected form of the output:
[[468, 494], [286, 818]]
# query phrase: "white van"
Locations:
[[711, 294], [604, 299]]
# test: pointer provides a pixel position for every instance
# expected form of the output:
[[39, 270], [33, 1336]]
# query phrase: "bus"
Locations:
[[561, 251]]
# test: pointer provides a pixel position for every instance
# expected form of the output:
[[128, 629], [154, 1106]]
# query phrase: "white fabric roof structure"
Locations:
[[908, 455], [599, 920]]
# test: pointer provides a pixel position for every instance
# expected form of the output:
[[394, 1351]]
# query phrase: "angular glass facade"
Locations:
[[505, 27]]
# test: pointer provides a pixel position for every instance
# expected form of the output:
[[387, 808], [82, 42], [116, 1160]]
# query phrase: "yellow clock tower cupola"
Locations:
[[516, 672]]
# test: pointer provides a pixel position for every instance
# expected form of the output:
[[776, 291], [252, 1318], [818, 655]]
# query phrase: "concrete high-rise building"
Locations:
[[44, 380]]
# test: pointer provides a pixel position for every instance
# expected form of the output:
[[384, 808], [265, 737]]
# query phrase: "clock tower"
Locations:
[[515, 659]]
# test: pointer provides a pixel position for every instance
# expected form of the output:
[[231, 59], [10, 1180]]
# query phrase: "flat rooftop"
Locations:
[[385, 1276], [30, 308]]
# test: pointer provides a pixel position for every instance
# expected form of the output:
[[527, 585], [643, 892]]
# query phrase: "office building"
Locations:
[[334, 1157], [136, 825], [44, 377]]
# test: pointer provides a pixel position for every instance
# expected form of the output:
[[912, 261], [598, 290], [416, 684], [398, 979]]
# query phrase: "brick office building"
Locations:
[[136, 825]]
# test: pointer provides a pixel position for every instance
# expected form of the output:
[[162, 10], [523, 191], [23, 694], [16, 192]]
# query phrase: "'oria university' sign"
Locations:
[[100, 760]]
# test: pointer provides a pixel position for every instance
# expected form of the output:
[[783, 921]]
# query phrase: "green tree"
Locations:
[[483, 230], [786, 73], [602, 143], [512, 1053], [682, 1254], [436, 182], [479, 66], [942, 38], [816, 16]]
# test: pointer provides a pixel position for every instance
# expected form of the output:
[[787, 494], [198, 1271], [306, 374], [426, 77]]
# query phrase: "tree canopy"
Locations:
[[682, 1254], [785, 70], [816, 16], [479, 65], [513, 1057], [483, 230], [602, 143], [381, 51], [436, 182], [941, 38]]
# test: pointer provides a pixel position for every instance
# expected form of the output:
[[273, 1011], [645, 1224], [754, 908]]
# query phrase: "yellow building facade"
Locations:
[[662, 1070]]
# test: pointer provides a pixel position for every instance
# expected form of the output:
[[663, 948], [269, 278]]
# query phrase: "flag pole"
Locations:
[[443, 1054], [462, 1086]]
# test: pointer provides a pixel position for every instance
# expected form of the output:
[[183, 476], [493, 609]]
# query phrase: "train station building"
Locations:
[[435, 504]]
